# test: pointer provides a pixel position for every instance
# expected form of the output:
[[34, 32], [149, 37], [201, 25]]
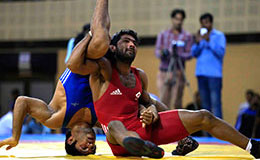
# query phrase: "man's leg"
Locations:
[[26, 105], [194, 121], [164, 90], [215, 86], [177, 90], [118, 134], [204, 92], [204, 120], [162, 133]]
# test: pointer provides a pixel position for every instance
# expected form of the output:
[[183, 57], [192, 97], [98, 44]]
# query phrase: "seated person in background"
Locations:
[[246, 118], [248, 95], [256, 129], [191, 105]]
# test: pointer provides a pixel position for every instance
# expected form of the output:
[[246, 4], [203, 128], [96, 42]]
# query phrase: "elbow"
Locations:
[[72, 67], [98, 48]]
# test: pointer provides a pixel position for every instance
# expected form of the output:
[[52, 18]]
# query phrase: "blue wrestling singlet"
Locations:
[[78, 95]]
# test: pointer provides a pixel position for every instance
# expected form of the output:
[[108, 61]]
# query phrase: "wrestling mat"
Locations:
[[45, 147]]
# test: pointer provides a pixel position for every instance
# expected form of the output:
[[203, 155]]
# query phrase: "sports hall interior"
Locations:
[[42, 28]]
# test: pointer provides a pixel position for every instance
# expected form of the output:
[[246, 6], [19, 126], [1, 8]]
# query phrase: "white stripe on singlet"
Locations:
[[66, 77], [64, 74]]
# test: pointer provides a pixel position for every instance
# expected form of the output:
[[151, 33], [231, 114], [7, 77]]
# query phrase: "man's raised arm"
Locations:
[[95, 44]]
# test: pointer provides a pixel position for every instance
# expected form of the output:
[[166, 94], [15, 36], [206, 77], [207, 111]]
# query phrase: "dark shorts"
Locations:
[[167, 129]]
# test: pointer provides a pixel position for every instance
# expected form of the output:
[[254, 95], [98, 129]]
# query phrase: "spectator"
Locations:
[[209, 50], [171, 94], [246, 120], [191, 105], [249, 95], [7, 120], [256, 128]]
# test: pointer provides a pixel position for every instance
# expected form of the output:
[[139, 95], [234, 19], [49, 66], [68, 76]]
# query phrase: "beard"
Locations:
[[124, 57]]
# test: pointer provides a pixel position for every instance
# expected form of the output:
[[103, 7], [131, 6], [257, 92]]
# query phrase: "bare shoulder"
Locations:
[[105, 69], [104, 62], [142, 74], [143, 77]]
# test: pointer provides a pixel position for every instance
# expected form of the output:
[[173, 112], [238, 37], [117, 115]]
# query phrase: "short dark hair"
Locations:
[[86, 27], [116, 37], [207, 16], [71, 149], [178, 11], [250, 92]]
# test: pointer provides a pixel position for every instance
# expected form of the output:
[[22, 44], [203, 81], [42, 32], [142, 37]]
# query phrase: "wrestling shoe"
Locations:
[[185, 146], [139, 147], [255, 150]]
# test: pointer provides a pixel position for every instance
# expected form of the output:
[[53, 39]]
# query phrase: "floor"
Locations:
[[52, 147]]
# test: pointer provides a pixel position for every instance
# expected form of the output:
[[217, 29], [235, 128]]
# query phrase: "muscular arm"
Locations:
[[25, 105], [100, 26], [145, 98], [92, 46]]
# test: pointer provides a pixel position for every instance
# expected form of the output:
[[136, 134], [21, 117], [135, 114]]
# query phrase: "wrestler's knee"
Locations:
[[114, 125], [206, 118], [21, 100]]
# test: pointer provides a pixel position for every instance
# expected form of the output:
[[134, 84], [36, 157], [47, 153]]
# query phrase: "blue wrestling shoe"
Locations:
[[139, 147]]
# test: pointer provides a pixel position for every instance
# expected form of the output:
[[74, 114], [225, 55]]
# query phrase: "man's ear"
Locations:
[[70, 140], [112, 48]]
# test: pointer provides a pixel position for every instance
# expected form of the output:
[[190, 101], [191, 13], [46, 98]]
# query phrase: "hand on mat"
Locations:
[[11, 142], [149, 116]]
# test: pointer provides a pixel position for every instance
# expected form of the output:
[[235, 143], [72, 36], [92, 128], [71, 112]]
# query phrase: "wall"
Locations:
[[45, 20]]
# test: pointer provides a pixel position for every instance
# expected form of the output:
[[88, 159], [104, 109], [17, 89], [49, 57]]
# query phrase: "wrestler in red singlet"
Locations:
[[121, 103]]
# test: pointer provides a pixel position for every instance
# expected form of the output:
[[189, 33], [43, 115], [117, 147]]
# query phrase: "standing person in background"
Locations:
[[171, 94], [209, 50]]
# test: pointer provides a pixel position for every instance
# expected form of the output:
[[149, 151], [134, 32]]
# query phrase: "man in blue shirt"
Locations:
[[209, 50]]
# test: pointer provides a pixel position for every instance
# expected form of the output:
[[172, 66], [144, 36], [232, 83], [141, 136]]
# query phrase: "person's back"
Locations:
[[78, 95], [72, 95]]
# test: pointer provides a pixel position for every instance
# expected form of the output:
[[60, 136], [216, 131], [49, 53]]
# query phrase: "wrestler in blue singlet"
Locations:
[[78, 95]]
